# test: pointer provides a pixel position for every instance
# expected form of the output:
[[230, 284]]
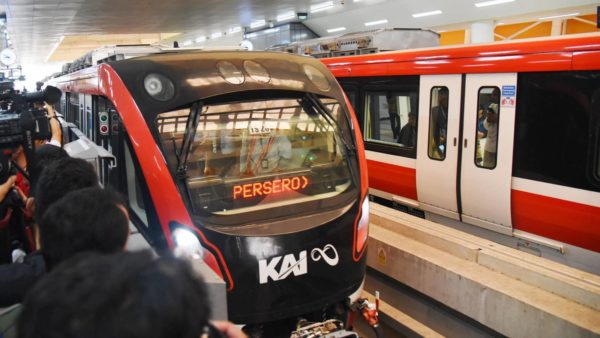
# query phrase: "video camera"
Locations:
[[21, 123]]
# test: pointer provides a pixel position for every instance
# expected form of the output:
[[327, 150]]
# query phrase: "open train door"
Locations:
[[437, 144], [487, 150]]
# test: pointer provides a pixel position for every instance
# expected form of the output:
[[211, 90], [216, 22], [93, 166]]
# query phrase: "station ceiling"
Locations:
[[61, 30]]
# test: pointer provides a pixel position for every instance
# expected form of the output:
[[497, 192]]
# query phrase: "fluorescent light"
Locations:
[[500, 23], [251, 35], [321, 7], [235, 29], [492, 3], [272, 30], [333, 30], [258, 23], [187, 43], [286, 16], [378, 22], [558, 16], [53, 48], [201, 39], [216, 35], [419, 15]]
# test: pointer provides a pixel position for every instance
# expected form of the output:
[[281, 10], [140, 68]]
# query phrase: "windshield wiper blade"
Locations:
[[326, 113], [188, 138]]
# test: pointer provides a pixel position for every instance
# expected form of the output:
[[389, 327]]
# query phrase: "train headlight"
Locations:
[[230, 72], [317, 77], [187, 244], [362, 228], [159, 87]]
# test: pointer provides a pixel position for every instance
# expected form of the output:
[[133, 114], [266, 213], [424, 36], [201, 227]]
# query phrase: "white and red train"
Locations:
[[532, 177]]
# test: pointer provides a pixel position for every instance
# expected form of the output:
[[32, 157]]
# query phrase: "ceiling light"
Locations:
[[419, 15], [378, 22], [187, 43], [333, 30], [558, 16], [492, 3], [216, 35], [201, 39], [286, 16], [321, 7], [235, 29], [272, 30], [258, 23]]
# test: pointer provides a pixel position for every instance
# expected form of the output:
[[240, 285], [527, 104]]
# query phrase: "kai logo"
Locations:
[[281, 267]]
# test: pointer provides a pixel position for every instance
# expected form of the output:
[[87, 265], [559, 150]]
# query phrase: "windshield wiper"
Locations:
[[326, 113], [188, 138]]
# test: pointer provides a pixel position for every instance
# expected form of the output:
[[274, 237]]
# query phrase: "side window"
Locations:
[[390, 118], [488, 117], [438, 123], [73, 110], [134, 193]]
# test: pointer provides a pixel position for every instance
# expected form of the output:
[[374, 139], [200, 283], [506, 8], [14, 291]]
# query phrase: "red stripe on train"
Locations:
[[564, 221], [394, 179]]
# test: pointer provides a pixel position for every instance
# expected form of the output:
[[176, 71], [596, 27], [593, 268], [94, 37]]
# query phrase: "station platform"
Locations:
[[511, 292]]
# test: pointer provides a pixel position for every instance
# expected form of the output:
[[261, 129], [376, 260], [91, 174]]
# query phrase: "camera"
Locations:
[[21, 123]]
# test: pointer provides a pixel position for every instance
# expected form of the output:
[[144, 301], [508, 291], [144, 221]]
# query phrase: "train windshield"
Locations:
[[279, 155]]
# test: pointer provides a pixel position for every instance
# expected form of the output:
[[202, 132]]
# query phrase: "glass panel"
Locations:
[[438, 123], [250, 156], [488, 112], [134, 193], [390, 119]]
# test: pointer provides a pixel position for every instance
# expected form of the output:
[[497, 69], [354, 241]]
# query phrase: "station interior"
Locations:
[[312, 168]]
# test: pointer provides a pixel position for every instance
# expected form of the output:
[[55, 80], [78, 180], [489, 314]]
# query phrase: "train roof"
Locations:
[[522, 55], [207, 74]]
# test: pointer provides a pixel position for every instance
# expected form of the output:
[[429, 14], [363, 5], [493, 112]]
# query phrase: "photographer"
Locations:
[[55, 128]]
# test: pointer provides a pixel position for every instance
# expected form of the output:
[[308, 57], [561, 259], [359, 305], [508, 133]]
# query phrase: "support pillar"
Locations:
[[482, 32]]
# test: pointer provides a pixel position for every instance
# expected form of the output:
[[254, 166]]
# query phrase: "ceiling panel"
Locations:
[[37, 27]]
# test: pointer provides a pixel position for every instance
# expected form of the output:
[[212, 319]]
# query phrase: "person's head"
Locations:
[[90, 219], [443, 97], [61, 177], [412, 119], [45, 155], [121, 295], [495, 95]]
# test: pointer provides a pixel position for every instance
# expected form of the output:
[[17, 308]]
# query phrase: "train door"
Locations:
[[437, 144], [487, 150]]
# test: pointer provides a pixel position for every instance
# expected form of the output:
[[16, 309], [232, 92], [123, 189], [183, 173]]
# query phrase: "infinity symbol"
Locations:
[[317, 254]]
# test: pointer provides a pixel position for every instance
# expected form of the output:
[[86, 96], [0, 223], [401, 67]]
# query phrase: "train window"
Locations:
[[557, 122], [134, 193], [438, 123], [247, 157], [73, 110], [390, 119], [488, 117]]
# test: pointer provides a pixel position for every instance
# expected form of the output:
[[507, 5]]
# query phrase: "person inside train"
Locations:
[[129, 294], [214, 148], [392, 101], [408, 134], [491, 125], [481, 133], [90, 219], [439, 116], [265, 152]]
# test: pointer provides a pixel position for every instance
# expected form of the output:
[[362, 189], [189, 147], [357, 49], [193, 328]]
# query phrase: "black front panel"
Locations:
[[287, 275]]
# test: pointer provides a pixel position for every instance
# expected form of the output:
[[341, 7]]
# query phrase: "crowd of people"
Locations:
[[71, 275]]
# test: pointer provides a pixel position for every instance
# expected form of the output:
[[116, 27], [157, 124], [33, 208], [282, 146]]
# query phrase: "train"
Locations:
[[501, 140], [250, 161]]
